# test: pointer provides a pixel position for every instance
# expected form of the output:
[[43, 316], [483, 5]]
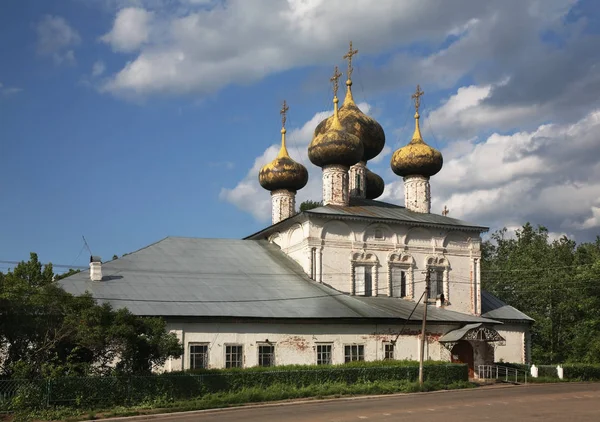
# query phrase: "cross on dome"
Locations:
[[283, 113], [349, 57], [334, 79], [417, 97]]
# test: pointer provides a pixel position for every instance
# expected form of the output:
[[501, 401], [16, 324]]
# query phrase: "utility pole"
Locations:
[[425, 300]]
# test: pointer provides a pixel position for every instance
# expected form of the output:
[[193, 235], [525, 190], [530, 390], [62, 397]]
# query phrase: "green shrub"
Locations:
[[547, 371], [582, 371]]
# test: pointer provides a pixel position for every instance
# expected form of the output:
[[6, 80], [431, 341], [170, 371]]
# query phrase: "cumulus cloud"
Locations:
[[56, 39], [243, 41], [548, 176], [131, 29]]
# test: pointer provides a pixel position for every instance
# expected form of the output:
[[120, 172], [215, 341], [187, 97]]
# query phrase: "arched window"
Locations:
[[400, 275], [438, 268], [364, 274]]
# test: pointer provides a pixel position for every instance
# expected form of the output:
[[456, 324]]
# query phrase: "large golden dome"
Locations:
[[375, 185], [417, 158], [355, 122], [335, 145], [283, 172]]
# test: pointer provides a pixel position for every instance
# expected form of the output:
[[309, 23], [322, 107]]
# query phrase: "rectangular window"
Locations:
[[388, 351], [398, 282], [436, 283], [234, 355], [266, 355], [363, 280], [198, 356], [324, 354], [354, 352]]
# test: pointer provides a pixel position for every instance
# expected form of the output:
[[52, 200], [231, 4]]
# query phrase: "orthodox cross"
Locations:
[[334, 79], [349, 57], [445, 211], [417, 97], [283, 113]]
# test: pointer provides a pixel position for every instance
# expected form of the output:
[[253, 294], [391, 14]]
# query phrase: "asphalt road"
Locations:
[[534, 402]]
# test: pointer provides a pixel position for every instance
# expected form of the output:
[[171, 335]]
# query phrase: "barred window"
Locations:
[[266, 355], [198, 356], [324, 354], [234, 355], [388, 351], [354, 352]]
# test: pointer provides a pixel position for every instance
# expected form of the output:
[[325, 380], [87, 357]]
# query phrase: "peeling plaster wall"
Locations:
[[295, 343]]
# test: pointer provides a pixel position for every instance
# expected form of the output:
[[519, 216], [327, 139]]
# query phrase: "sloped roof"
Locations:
[[492, 307], [368, 209], [190, 277]]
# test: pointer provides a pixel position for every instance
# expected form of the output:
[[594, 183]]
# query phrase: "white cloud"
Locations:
[[549, 176], [130, 31], [241, 41], [55, 38], [98, 68], [5, 91]]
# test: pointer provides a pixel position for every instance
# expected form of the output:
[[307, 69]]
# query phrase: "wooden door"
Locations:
[[462, 352]]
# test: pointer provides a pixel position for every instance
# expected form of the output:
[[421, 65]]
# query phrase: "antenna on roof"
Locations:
[[87, 246]]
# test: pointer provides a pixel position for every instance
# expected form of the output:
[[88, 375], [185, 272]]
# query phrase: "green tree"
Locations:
[[553, 282], [309, 205], [46, 331]]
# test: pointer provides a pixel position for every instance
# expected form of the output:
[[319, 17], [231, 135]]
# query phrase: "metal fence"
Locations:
[[132, 390]]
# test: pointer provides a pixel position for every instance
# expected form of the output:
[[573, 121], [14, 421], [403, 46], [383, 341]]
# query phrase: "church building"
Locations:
[[348, 280]]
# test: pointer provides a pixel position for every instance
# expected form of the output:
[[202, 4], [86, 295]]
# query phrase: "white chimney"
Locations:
[[95, 268]]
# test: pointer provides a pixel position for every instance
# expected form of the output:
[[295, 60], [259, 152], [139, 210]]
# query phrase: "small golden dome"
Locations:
[[283, 172], [375, 185], [354, 121], [417, 158], [335, 145]]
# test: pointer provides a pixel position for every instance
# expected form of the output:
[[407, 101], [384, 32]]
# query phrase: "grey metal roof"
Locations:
[[456, 335], [231, 278], [377, 210], [492, 307]]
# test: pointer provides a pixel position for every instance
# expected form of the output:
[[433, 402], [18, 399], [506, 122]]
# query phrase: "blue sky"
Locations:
[[130, 120]]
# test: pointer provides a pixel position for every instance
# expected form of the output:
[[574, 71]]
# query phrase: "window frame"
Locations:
[[192, 354], [386, 345], [241, 355], [261, 355], [318, 353], [360, 352], [403, 280]]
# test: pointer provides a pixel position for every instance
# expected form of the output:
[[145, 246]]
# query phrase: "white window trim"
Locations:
[[325, 343], [406, 263], [365, 259], [258, 345], [198, 343], [243, 362], [440, 263]]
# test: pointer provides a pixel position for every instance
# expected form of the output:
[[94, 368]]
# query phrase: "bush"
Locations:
[[547, 371], [166, 388], [582, 371]]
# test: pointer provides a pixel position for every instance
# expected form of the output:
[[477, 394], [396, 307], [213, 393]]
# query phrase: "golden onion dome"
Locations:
[[417, 158], [283, 172], [374, 184], [335, 145], [355, 122]]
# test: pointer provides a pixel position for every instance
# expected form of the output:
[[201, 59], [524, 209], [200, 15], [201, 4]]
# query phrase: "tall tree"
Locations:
[[47, 331]]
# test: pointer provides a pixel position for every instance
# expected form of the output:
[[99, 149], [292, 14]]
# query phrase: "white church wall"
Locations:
[[337, 243], [296, 343], [515, 349]]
